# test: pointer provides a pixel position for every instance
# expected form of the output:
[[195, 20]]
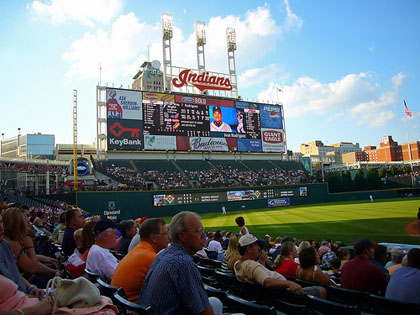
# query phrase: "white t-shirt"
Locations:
[[101, 261], [224, 127], [215, 246]]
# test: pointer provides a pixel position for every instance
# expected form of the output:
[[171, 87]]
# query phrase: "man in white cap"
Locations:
[[248, 270]]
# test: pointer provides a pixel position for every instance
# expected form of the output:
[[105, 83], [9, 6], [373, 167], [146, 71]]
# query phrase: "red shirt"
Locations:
[[287, 268], [360, 274]]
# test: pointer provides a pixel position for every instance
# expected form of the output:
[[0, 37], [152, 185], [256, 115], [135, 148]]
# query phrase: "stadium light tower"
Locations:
[[231, 47], [200, 32], [167, 33]]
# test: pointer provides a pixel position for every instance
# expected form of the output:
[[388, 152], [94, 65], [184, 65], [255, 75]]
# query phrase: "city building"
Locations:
[[149, 77], [317, 147], [353, 157], [29, 146]]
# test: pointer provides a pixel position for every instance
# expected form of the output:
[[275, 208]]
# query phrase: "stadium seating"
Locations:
[[126, 307], [106, 289], [239, 305], [382, 306], [320, 307]]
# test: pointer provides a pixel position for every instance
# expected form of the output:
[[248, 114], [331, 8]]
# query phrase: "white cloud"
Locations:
[[335, 116], [119, 50], [292, 21], [309, 96], [371, 49], [84, 12], [258, 75]]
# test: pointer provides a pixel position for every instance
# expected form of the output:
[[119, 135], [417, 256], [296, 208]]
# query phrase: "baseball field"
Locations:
[[386, 220]]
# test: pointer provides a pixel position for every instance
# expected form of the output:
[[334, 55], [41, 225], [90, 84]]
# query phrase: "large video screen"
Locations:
[[273, 194], [155, 121]]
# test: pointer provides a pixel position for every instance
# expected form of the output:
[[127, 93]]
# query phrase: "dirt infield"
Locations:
[[412, 228]]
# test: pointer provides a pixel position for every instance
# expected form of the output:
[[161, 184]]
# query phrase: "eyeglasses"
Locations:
[[199, 231]]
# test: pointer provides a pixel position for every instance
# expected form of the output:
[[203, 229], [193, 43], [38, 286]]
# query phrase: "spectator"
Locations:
[[132, 269], [9, 268], [284, 263], [309, 269], [240, 221], [88, 239], [215, 245], [248, 270], [302, 245], [360, 274], [379, 259], [74, 221], [136, 238], [404, 262], [230, 253], [397, 254], [99, 259], [128, 230], [344, 255], [404, 285], [76, 266], [16, 226], [173, 284]]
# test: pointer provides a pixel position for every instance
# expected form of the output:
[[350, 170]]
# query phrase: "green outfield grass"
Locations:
[[381, 221]]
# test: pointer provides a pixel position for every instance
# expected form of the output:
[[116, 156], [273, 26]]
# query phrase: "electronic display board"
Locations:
[[156, 121], [228, 196]]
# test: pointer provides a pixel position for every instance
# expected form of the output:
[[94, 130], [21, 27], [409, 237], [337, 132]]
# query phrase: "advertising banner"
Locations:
[[125, 134], [124, 104], [206, 144], [153, 142], [272, 140], [249, 145], [278, 202], [158, 97], [271, 116], [203, 101]]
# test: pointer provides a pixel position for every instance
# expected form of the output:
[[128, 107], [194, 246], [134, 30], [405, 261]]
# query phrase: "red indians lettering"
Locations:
[[272, 136], [202, 81]]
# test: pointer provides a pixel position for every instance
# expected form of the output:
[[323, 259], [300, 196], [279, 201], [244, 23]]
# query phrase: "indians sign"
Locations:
[[203, 81]]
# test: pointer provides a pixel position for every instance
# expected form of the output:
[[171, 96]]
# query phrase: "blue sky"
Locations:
[[343, 66]]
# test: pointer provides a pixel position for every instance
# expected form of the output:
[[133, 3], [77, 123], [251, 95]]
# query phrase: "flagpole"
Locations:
[[409, 148]]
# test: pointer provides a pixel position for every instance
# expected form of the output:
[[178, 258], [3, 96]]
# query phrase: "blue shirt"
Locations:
[[404, 285], [8, 266], [173, 284]]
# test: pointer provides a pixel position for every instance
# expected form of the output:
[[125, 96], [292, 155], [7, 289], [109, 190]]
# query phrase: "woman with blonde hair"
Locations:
[[302, 245], [16, 226], [284, 263], [231, 252]]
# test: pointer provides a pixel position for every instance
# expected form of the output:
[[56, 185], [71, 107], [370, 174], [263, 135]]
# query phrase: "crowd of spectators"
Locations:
[[212, 177], [126, 255]]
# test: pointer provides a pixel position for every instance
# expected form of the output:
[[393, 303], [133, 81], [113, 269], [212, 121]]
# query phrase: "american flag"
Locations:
[[407, 111]]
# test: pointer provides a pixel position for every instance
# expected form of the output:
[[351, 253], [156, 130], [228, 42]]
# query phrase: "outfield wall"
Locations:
[[134, 204]]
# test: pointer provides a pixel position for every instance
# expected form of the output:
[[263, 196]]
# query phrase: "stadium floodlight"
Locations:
[[166, 26], [200, 32], [231, 39]]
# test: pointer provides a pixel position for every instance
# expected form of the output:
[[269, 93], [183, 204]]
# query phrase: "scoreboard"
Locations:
[[227, 196], [139, 121]]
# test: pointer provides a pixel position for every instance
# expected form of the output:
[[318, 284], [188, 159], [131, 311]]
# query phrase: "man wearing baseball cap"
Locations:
[[99, 259], [218, 124], [248, 270], [360, 274]]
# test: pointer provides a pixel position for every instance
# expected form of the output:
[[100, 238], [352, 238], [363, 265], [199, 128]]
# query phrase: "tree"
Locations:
[[346, 181], [372, 180], [406, 169], [382, 172], [318, 176], [334, 182], [359, 180], [392, 171]]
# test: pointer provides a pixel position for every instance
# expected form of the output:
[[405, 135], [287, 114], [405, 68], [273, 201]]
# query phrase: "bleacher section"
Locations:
[[164, 174]]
